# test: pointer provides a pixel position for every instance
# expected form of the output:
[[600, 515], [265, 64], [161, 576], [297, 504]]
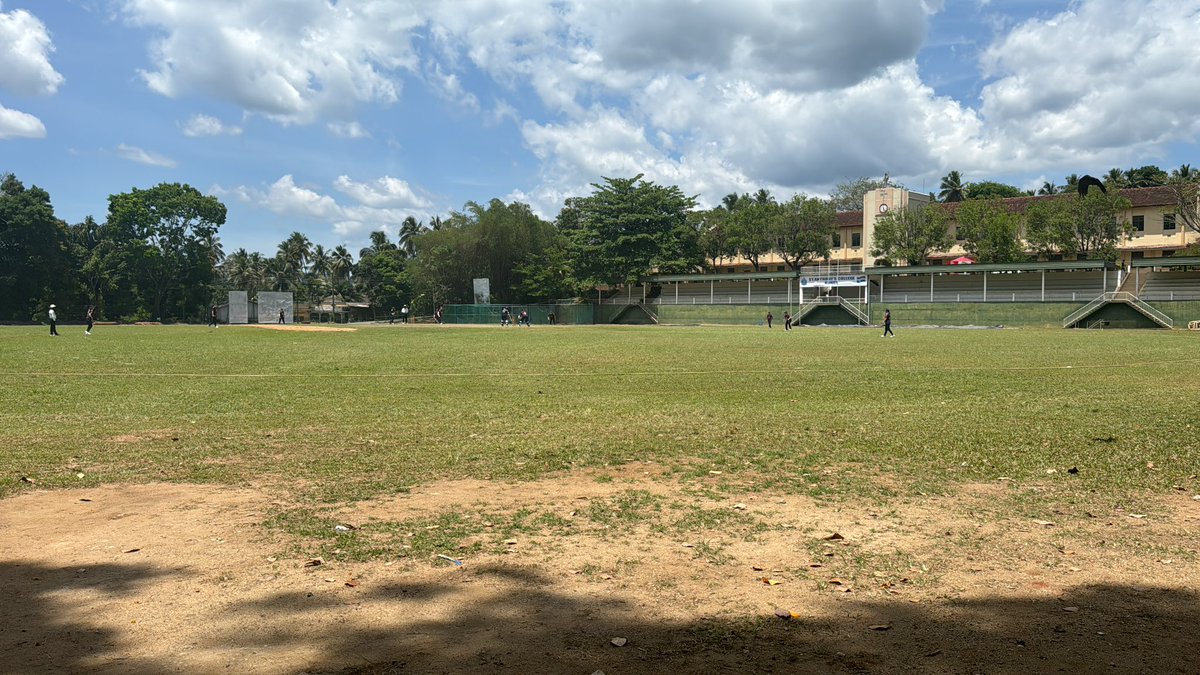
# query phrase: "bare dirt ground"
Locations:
[[301, 328], [183, 578]]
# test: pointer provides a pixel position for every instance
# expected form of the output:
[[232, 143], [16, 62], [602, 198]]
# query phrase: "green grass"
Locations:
[[836, 414]]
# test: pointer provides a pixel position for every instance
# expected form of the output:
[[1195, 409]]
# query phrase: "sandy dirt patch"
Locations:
[[302, 328], [181, 578]]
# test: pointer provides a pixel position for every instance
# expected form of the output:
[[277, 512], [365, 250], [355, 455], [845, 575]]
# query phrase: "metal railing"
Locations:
[[831, 300], [1118, 296]]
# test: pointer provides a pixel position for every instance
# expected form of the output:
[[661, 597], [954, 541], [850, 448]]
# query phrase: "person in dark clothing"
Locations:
[[505, 317], [392, 316], [91, 319], [887, 323], [212, 316], [523, 319], [437, 313], [550, 318], [787, 321], [770, 318], [281, 315]]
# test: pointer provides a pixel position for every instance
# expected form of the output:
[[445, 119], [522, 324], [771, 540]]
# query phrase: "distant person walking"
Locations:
[[404, 314], [887, 323], [53, 321], [392, 316], [770, 318], [91, 319], [212, 317], [787, 321], [281, 315], [438, 313]]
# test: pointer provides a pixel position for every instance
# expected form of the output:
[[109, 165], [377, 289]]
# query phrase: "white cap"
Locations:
[[52, 306]]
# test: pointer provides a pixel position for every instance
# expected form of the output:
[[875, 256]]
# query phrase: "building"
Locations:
[[1151, 213]]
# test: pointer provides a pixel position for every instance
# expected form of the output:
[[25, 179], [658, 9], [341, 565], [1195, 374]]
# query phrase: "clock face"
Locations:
[[883, 208]]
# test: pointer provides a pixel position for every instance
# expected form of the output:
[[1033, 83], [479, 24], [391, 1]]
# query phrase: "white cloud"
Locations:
[[385, 192], [293, 61], [352, 130], [25, 46], [1063, 97], [205, 125], [17, 124], [136, 154], [380, 205]]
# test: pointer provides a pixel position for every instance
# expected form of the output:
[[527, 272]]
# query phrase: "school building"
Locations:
[[1151, 285]]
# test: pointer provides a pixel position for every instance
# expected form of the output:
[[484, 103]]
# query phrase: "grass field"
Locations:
[[601, 481], [346, 416]]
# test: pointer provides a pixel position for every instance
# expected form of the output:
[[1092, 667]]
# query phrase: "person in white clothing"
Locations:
[[53, 321]]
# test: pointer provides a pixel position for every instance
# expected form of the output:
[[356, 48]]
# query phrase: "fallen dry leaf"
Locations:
[[834, 537], [1044, 523], [618, 642], [132, 550], [314, 562], [352, 582], [771, 582], [880, 626]]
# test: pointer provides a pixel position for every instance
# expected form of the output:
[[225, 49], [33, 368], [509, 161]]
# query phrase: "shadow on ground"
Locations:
[[524, 626]]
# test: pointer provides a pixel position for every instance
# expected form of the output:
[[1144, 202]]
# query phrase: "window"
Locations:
[[1168, 253], [1168, 222], [1139, 223], [1138, 255], [837, 239], [779, 268], [856, 239]]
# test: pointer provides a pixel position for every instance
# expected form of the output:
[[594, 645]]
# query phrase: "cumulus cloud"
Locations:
[[1062, 95], [385, 192], [205, 125], [136, 154], [381, 204], [16, 124], [293, 61], [24, 58]]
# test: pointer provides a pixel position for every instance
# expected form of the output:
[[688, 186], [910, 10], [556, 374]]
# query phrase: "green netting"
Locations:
[[567, 314]]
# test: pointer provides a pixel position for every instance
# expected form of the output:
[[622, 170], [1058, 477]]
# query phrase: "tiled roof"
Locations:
[[849, 218]]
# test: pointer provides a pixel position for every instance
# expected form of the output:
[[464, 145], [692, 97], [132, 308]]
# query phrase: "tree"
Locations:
[[952, 188], [912, 234], [1048, 188], [166, 234], [1072, 184], [803, 229], [34, 258], [1186, 193], [749, 225], [1184, 173], [990, 232], [1115, 179], [626, 228], [848, 196], [990, 189], [714, 228], [409, 229], [1146, 176], [1087, 227]]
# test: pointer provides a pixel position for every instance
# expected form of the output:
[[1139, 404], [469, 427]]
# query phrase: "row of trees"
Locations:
[[989, 231], [954, 189], [157, 255]]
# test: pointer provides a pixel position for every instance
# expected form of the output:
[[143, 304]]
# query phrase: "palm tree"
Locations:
[[1048, 188], [1185, 173], [379, 244], [1115, 178], [1072, 184], [341, 264], [952, 188], [436, 223], [409, 229], [318, 262]]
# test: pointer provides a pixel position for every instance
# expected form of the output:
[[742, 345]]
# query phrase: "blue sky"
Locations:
[[339, 118]]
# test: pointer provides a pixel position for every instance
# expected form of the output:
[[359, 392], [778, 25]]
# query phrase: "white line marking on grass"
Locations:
[[569, 373]]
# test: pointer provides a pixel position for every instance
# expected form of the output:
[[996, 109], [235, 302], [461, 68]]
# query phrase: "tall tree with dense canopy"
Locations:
[[166, 234], [989, 189], [34, 262], [749, 225], [912, 234], [1087, 227], [804, 229], [989, 231], [628, 227]]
